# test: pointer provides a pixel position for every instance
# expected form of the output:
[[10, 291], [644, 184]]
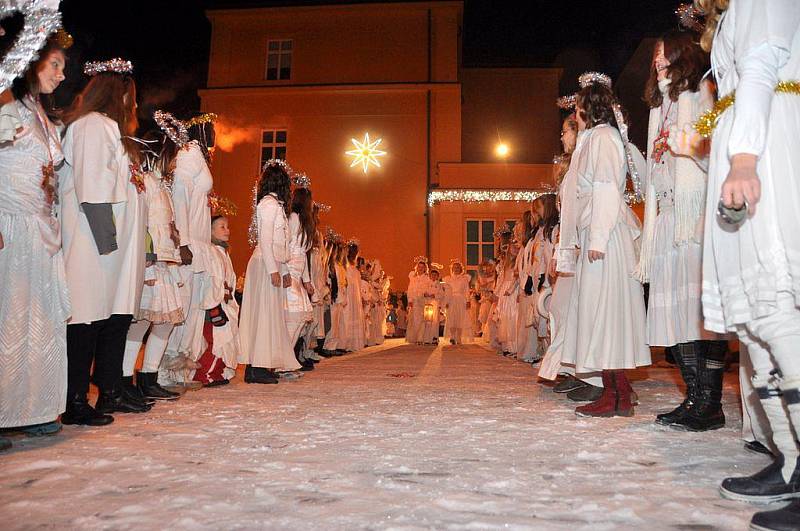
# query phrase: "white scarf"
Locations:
[[690, 180]]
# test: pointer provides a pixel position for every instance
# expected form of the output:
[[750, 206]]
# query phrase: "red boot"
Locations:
[[625, 394], [606, 405]]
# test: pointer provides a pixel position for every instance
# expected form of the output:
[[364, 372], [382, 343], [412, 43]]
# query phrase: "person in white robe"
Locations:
[[192, 184], [354, 329], [420, 290], [435, 300], [263, 332], [751, 257], [458, 328], [487, 279], [671, 257], [299, 310], [605, 328], [221, 345], [337, 275], [315, 334], [507, 305], [34, 301], [526, 300], [161, 307], [103, 216]]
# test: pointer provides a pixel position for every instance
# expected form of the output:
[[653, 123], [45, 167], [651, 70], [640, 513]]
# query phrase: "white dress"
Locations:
[[507, 310], [526, 335], [746, 272], [354, 338], [606, 318], [418, 287], [97, 170], [191, 186], [674, 312], [262, 328], [334, 340], [34, 302], [458, 327], [298, 304], [161, 302]]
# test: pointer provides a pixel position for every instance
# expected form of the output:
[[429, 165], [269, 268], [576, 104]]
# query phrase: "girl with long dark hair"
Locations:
[[103, 215], [355, 330], [302, 232], [606, 320], [34, 303], [264, 336]]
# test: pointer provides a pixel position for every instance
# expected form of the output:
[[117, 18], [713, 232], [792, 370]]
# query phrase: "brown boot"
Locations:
[[606, 405]]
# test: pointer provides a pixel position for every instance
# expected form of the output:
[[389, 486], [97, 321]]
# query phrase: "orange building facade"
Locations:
[[301, 82]]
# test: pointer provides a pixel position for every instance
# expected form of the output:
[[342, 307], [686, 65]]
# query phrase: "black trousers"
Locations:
[[101, 342]]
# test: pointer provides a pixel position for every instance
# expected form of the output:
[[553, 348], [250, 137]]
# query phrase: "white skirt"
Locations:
[[605, 326], [161, 302], [674, 310]]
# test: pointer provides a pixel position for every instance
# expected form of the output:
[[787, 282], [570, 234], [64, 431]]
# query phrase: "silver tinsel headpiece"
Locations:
[[590, 78], [504, 229], [301, 180], [116, 65], [354, 241], [41, 18], [172, 127], [277, 162], [566, 103], [322, 207], [690, 17]]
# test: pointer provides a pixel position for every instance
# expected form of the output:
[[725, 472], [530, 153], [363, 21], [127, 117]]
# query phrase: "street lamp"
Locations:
[[502, 150]]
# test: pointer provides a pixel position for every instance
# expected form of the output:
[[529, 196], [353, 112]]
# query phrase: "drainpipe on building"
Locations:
[[428, 140]]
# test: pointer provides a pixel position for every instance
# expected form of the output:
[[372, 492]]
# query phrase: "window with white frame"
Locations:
[[479, 244], [273, 145], [279, 59]]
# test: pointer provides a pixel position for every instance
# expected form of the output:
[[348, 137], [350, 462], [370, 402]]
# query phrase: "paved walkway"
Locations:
[[393, 437]]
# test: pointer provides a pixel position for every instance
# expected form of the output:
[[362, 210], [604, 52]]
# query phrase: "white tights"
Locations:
[[153, 351]]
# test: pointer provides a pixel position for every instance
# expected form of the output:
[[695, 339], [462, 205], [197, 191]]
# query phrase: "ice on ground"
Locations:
[[472, 442]]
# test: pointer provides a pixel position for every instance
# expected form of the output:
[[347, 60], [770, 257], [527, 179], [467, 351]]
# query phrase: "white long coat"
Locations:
[[97, 170]]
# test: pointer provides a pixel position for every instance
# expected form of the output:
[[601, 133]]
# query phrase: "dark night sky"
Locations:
[[168, 40]]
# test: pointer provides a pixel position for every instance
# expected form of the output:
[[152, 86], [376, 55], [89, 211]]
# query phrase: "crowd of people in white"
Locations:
[[107, 239]]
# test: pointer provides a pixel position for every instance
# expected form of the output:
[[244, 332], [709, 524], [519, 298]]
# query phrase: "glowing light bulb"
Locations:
[[502, 150]]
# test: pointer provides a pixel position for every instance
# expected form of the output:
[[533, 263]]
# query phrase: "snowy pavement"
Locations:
[[393, 437]]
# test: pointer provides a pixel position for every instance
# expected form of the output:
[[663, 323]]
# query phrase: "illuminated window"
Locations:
[[273, 145], [479, 243], [279, 59]]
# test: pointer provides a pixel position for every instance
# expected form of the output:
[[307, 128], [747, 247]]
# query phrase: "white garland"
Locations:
[[41, 19], [477, 196], [172, 127], [116, 65]]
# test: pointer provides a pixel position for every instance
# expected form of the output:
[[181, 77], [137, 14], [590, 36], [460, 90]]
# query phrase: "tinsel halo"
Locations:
[[436, 266], [172, 127], [566, 103], [690, 17], [116, 65], [277, 162], [503, 229], [590, 78], [221, 206], [301, 180], [354, 241], [202, 119], [322, 207], [420, 259], [41, 18]]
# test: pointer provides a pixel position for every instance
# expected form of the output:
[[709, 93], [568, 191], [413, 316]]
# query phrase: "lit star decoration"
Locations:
[[366, 153]]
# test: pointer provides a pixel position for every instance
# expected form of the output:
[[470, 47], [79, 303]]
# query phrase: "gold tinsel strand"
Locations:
[[708, 121], [202, 119]]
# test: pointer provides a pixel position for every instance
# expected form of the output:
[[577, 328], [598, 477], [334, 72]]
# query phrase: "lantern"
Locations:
[[427, 312]]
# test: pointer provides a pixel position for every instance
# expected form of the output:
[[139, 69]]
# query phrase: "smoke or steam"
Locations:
[[228, 135]]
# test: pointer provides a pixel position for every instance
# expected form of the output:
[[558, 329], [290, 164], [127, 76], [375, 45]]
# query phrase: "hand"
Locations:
[[287, 280], [2, 243], [174, 235], [742, 186], [596, 255], [151, 282], [551, 269], [688, 142], [309, 288], [186, 255], [275, 278]]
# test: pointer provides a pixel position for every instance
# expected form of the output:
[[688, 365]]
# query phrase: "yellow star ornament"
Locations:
[[366, 153]]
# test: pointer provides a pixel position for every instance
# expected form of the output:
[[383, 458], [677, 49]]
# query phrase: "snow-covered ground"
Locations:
[[393, 437]]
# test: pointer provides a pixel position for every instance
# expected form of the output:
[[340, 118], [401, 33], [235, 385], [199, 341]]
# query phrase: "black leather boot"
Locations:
[[685, 355], [259, 375], [5, 444], [116, 401], [706, 414], [132, 393], [299, 348], [80, 412], [765, 486], [786, 519], [148, 385]]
